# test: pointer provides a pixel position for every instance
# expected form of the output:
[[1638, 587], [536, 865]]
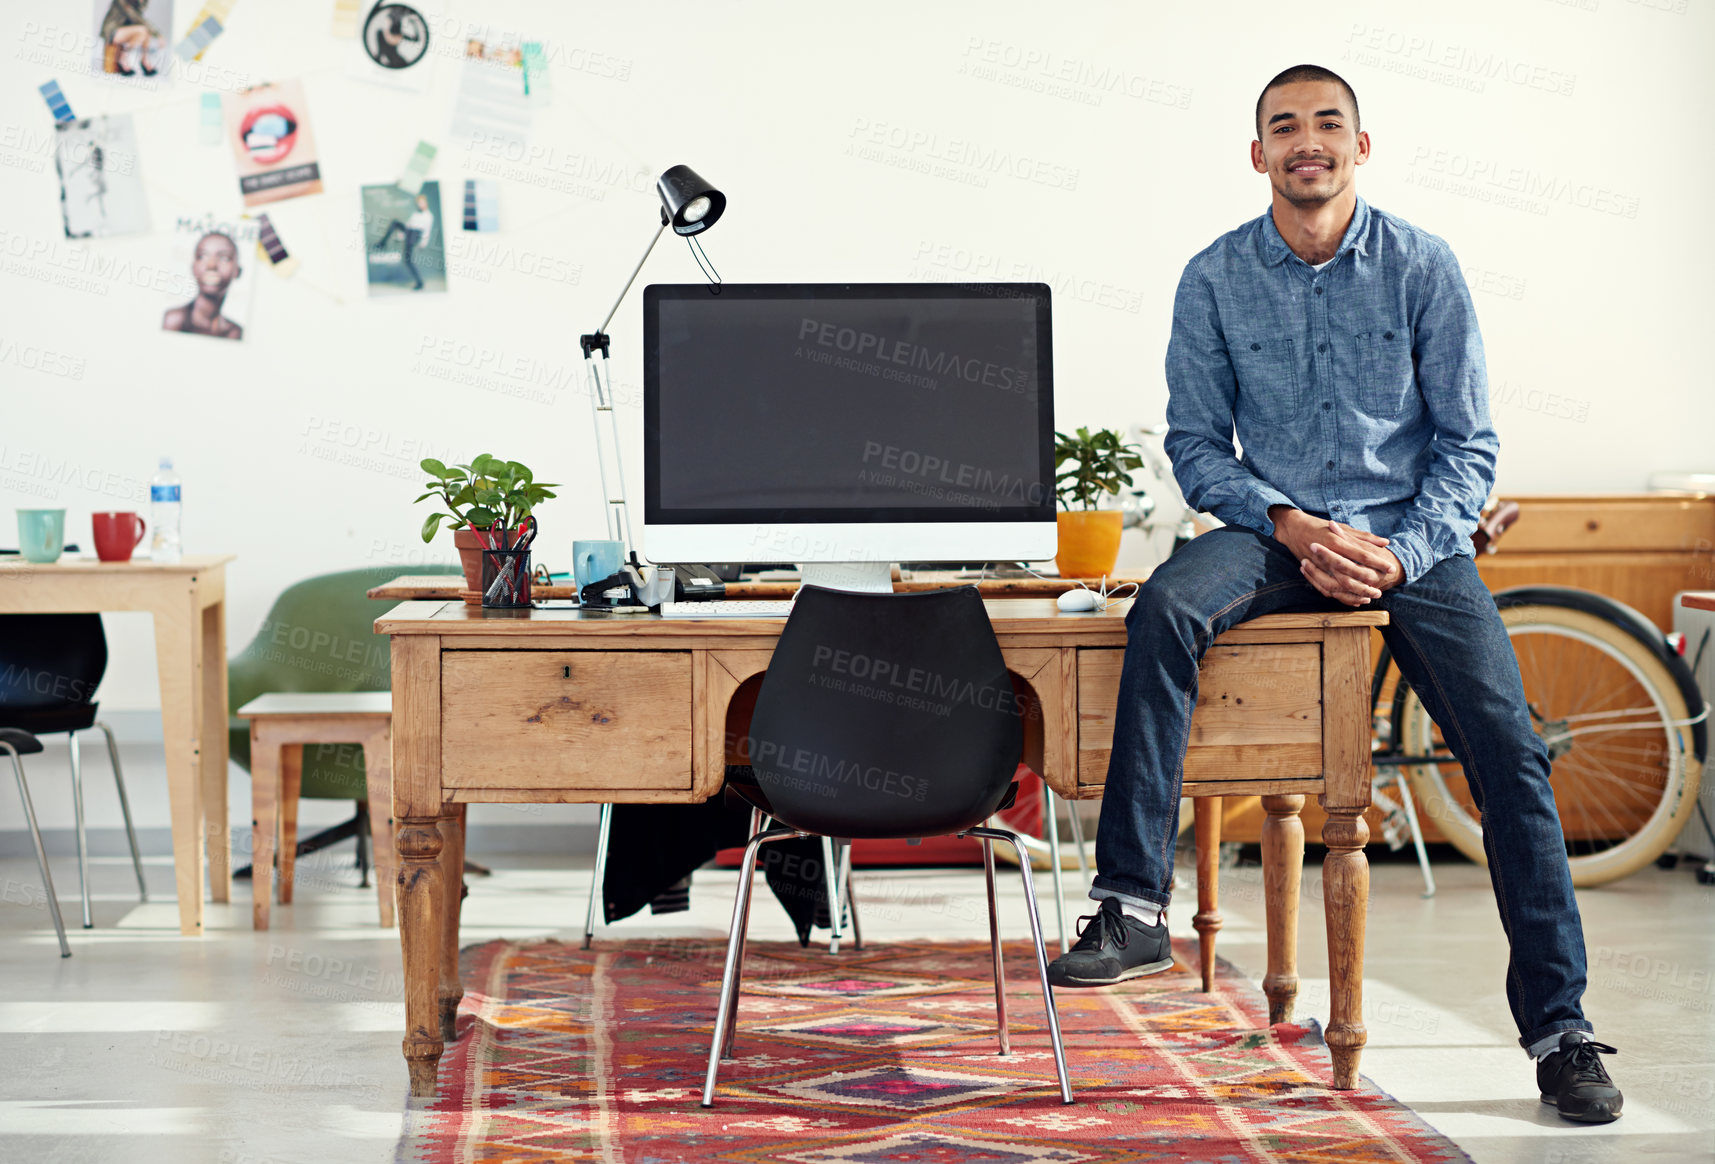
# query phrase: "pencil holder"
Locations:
[[505, 579]]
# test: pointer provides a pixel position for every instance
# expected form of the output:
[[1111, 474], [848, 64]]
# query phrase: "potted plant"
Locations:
[[1101, 462], [488, 499]]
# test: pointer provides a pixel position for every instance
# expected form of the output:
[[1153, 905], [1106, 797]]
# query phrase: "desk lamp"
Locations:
[[690, 206]]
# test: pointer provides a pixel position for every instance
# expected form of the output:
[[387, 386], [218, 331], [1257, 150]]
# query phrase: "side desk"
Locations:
[[563, 706], [188, 601]]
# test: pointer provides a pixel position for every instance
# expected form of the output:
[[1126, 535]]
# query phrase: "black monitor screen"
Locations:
[[848, 402]]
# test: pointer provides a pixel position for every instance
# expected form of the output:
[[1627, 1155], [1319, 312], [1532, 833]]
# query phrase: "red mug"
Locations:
[[116, 535]]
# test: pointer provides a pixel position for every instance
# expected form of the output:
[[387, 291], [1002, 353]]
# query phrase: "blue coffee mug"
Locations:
[[41, 534], [594, 560]]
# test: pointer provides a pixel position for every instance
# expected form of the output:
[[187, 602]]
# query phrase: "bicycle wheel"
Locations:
[[1615, 717]]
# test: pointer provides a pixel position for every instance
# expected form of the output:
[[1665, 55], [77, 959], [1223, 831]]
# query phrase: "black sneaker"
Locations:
[[1112, 948], [1574, 1081]]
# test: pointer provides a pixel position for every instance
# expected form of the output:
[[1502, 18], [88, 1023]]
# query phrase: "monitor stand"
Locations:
[[863, 577]]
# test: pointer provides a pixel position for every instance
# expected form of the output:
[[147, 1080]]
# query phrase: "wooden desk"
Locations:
[[188, 600], [451, 586], [563, 706]]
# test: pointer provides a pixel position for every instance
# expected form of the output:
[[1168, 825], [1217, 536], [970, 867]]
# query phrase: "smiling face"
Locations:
[[215, 264], [1310, 142]]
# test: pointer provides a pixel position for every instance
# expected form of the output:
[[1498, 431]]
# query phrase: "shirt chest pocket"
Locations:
[[1267, 375], [1387, 377]]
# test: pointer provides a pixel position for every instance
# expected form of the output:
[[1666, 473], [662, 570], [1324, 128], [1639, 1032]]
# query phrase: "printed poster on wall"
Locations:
[[269, 129], [101, 191], [217, 261], [131, 37]]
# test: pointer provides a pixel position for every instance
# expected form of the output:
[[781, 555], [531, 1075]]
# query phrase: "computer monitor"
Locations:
[[857, 424]]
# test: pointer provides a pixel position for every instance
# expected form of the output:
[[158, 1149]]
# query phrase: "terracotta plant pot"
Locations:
[[470, 554], [1089, 542]]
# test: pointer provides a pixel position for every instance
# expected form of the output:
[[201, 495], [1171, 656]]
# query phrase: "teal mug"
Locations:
[[41, 534], [594, 560]]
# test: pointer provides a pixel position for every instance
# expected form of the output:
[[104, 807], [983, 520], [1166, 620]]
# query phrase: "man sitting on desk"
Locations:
[[1338, 343]]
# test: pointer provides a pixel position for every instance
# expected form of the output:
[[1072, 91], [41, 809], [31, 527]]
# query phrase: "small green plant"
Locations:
[[486, 494], [1102, 464]]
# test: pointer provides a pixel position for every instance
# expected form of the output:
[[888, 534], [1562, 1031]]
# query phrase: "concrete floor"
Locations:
[[283, 1047]]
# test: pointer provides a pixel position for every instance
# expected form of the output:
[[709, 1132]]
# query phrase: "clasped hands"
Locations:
[[1348, 565]]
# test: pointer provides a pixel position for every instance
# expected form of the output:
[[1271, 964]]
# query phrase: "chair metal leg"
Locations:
[[604, 824], [831, 877], [846, 892], [1416, 833], [125, 811], [1014, 840], [994, 947], [1077, 826], [729, 1051], [41, 853], [726, 1009], [82, 832], [1054, 862], [362, 844]]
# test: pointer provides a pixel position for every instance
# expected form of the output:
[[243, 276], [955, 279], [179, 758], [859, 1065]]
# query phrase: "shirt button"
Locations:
[[1330, 464], [1326, 406], [1321, 347], [1256, 347], [1387, 335], [1318, 290]]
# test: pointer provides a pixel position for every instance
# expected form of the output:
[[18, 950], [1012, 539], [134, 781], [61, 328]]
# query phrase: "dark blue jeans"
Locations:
[[1450, 644]]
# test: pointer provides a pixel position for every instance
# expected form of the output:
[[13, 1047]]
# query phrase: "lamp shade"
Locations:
[[688, 204]]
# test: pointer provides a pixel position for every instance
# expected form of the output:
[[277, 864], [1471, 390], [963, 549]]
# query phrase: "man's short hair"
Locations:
[[1299, 73]]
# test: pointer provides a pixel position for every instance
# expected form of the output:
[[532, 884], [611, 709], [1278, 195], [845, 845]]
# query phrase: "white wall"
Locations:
[[1093, 146]]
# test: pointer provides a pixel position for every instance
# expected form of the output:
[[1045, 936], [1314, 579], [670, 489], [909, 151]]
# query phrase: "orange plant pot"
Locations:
[[1089, 542]]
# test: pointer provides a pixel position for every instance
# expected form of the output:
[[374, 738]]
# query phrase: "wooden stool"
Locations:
[[281, 723]]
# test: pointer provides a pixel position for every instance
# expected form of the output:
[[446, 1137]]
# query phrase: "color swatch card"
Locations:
[[211, 126], [417, 168], [270, 134], [269, 246], [57, 103], [481, 204]]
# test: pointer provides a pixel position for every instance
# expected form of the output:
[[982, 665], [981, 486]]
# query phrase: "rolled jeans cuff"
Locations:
[[1129, 894], [1546, 1038]]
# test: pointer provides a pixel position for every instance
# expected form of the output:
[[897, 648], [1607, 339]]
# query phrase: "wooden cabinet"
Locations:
[[1639, 548]]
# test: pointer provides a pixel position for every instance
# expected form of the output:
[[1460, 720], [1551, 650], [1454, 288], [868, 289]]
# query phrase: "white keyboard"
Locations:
[[729, 608]]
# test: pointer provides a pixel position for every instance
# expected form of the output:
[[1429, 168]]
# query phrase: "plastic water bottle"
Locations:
[[164, 514]]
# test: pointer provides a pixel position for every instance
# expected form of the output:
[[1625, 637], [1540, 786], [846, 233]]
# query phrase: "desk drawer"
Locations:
[[566, 719], [1258, 713]]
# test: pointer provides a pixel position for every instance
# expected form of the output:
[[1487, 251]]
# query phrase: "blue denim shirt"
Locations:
[[1356, 392]]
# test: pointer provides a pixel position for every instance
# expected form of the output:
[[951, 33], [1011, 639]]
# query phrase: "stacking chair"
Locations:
[[834, 757], [50, 666]]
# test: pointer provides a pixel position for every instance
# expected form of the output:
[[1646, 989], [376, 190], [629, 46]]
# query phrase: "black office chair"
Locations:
[[884, 715], [50, 666]]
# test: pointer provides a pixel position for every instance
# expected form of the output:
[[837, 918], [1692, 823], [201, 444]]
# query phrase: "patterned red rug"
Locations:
[[880, 1056]]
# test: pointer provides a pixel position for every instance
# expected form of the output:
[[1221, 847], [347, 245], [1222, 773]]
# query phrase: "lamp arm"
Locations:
[[656, 237]]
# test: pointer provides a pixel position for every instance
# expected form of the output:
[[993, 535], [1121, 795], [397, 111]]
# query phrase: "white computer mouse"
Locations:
[[1078, 599]]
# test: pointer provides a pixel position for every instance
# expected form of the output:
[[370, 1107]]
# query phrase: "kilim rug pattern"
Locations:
[[880, 1056]]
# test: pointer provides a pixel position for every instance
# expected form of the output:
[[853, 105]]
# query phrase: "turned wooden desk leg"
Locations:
[[421, 936], [1282, 877], [1208, 918], [451, 990], [1346, 897]]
